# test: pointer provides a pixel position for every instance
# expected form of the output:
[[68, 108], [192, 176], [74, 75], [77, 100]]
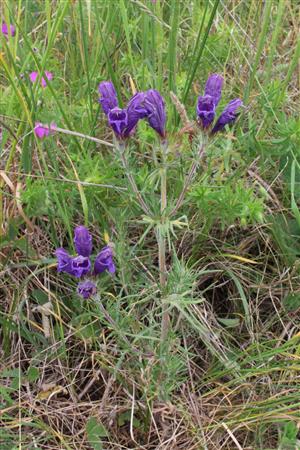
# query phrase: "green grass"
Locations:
[[75, 375]]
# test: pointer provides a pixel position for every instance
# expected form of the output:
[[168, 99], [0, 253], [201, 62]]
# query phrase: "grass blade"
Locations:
[[261, 42], [201, 48]]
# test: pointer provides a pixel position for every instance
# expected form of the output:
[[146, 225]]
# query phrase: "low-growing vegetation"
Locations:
[[150, 224]]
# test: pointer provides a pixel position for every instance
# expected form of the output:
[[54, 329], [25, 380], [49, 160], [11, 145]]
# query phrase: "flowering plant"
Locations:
[[148, 106], [80, 266]]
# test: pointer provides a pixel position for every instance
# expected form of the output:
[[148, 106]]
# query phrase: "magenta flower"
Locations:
[[4, 29], [86, 289], [229, 115], [83, 241], [104, 261], [34, 76], [41, 131]]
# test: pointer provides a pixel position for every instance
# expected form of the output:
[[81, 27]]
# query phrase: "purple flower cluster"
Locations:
[[79, 266], [147, 105], [150, 105], [207, 103]]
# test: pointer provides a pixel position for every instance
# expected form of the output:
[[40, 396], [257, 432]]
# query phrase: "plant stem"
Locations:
[[120, 331], [143, 205], [188, 179], [162, 246]]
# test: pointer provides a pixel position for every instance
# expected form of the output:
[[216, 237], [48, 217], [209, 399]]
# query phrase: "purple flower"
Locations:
[[213, 87], [228, 115], [118, 119], [79, 266], [135, 111], [206, 105], [83, 241], [4, 29], [64, 260], [143, 104], [34, 75], [108, 97], [41, 131], [104, 261], [156, 113], [205, 110], [86, 289], [124, 121]]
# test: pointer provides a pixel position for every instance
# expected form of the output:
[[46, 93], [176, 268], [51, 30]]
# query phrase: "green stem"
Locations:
[[121, 151], [275, 35], [162, 246], [188, 179]]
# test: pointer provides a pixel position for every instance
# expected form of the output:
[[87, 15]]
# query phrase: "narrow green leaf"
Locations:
[[197, 59], [261, 42]]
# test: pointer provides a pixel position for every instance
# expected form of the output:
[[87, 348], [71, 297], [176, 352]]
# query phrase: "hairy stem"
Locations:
[[162, 247], [143, 205], [188, 179]]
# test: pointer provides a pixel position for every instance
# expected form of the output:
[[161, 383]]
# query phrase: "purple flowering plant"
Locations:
[[80, 266], [148, 106], [207, 104]]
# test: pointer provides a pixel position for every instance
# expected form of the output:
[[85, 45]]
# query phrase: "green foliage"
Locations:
[[288, 440], [228, 204], [292, 302], [95, 432]]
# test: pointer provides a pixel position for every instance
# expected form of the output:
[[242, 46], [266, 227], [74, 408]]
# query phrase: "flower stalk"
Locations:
[[121, 152], [161, 240], [189, 179]]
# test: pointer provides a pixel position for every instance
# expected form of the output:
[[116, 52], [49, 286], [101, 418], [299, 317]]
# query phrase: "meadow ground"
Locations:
[[100, 373]]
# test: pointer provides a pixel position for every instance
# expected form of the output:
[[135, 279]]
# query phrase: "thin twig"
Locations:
[[84, 136]]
